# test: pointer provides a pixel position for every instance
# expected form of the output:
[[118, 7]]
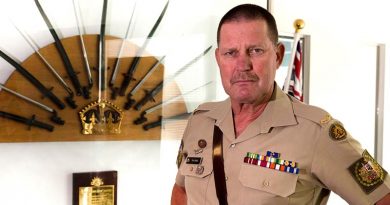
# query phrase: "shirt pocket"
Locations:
[[197, 181], [268, 180]]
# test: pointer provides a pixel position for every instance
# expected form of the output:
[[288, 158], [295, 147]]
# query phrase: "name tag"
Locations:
[[194, 160]]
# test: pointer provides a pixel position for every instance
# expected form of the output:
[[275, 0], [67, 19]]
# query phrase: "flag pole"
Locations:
[[298, 24]]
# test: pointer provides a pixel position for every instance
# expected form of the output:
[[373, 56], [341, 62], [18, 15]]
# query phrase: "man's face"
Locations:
[[247, 60]]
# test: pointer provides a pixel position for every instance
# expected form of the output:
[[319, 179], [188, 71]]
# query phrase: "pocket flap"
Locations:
[[200, 170], [268, 180]]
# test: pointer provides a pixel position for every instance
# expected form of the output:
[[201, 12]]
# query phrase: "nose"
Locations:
[[243, 62]]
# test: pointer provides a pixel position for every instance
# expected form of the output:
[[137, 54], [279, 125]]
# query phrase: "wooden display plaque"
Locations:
[[95, 188], [11, 131]]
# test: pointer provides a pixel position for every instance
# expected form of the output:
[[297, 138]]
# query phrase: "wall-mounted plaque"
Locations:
[[95, 188]]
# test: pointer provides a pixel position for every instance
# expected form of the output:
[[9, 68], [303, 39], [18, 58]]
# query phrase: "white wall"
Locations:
[[344, 36], [343, 33]]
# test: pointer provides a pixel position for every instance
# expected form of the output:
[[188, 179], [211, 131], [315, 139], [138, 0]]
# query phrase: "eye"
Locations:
[[255, 51], [229, 53]]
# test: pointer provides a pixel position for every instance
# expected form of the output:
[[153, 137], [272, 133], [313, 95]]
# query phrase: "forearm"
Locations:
[[179, 196], [385, 200]]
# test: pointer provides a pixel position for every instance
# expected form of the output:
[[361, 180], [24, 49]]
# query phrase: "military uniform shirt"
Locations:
[[327, 158]]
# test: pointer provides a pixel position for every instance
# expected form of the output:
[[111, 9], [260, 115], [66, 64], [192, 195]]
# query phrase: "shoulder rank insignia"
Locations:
[[326, 119], [367, 173], [337, 131]]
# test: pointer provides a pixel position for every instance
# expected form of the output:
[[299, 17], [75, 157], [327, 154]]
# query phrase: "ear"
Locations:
[[279, 53], [217, 57]]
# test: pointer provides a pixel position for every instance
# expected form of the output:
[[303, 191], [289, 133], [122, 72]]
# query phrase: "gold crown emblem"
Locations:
[[96, 181], [101, 118]]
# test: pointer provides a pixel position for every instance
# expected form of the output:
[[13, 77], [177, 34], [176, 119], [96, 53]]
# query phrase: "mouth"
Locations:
[[244, 78], [242, 81]]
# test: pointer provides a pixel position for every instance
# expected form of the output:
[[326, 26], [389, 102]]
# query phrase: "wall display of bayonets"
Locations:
[[100, 116]]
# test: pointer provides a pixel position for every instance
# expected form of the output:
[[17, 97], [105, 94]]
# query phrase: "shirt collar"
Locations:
[[278, 112]]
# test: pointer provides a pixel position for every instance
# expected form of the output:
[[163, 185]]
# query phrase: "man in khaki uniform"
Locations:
[[275, 149]]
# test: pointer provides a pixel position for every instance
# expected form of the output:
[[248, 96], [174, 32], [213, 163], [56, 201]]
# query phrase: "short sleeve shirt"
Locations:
[[316, 152]]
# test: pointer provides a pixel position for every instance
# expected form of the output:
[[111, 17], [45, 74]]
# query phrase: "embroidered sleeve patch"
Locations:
[[337, 131], [179, 158], [367, 173]]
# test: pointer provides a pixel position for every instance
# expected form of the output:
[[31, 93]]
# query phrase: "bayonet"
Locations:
[[35, 47], [158, 122], [149, 95], [80, 26], [54, 116], [65, 59], [142, 117], [45, 92], [154, 124], [130, 72], [102, 50], [30, 122], [131, 101], [117, 61]]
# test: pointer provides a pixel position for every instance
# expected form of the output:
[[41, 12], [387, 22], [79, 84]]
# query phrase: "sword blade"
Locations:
[[146, 76], [102, 49], [187, 65], [45, 107], [54, 117], [80, 25], [65, 59], [117, 61]]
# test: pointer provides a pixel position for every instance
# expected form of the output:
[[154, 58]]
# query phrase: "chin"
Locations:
[[245, 99]]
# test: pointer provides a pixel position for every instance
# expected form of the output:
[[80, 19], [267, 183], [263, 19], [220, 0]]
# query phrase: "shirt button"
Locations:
[[191, 168], [232, 145], [226, 178], [266, 183]]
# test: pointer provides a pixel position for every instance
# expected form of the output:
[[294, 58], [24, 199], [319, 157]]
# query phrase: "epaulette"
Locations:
[[312, 113], [204, 107]]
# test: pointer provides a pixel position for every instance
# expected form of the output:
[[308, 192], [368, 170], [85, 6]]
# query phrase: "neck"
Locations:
[[244, 114]]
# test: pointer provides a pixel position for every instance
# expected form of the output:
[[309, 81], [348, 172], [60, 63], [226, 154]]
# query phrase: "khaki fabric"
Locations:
[[297, 131]]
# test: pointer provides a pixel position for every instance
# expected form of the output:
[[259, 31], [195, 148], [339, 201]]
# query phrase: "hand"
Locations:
[[179, 196]]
